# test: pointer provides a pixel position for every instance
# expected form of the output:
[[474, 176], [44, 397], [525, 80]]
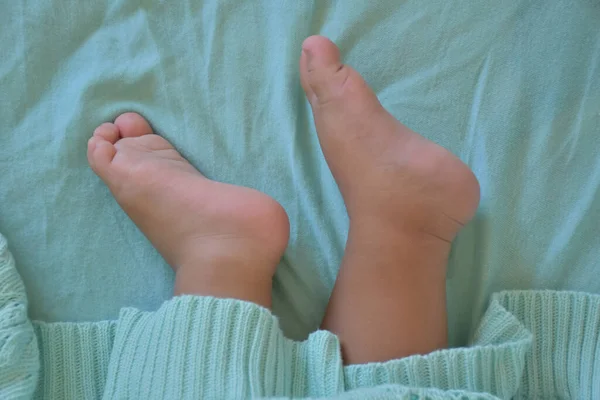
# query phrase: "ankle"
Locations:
[[224, 282], [411, 229]]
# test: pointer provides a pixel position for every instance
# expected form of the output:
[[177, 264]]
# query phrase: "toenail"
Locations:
[[100, 129], [309, 58], [92, 143]]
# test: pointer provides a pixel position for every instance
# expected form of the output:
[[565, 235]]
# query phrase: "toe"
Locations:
[[132, 125], [108, 132], [100, 154], [323, 75], [326, 79]]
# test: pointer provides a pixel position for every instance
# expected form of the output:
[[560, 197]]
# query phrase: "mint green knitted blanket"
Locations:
[[528, 345]]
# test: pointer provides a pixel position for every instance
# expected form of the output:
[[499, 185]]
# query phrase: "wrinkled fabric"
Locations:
[[530, 344], [513, 88]]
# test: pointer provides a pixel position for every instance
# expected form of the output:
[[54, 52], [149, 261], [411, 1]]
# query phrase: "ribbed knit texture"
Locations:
[[386, 392], [74, 359], [191, 344], [198, 347], [19, 358], [564, 361], [529, 345], [493, 363]]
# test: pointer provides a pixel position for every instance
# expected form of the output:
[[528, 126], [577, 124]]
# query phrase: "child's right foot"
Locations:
[[222, 240], [384, 170], [407, 198]]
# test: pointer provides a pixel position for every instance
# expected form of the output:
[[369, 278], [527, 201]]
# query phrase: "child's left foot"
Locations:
[[222, 240]]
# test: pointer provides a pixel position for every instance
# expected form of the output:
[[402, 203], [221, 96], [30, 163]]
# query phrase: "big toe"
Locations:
[[330, 83], [132, 125]]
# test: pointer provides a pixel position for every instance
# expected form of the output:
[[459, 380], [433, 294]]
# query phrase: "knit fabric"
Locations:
[[529, 345]]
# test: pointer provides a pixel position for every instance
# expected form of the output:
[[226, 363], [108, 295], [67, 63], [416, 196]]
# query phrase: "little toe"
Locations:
[[108, 132], [132, 125], [100, 154]]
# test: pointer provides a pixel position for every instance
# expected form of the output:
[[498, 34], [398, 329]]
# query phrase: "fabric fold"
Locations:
[[564, 360], [74, 359], [530, 344], [203, 347], [492, 364]]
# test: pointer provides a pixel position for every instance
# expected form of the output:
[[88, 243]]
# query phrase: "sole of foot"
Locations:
[[386, 172], [222, 240]]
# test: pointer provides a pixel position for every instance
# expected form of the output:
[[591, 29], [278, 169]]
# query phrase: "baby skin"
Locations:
[[407, 198]]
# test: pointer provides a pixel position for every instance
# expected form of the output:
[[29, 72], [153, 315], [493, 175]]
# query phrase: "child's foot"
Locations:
[[222, 240], [407, 198], [384, 170]]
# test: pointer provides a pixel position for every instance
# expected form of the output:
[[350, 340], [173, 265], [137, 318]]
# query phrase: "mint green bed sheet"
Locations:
[[511, 87]]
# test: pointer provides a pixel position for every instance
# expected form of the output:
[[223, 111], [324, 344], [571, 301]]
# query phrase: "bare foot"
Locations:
[[222, 240], [407, 199], [384, 170]]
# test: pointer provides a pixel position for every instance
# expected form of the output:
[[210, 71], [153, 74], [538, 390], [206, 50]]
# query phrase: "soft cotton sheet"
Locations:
[[513, 88]]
